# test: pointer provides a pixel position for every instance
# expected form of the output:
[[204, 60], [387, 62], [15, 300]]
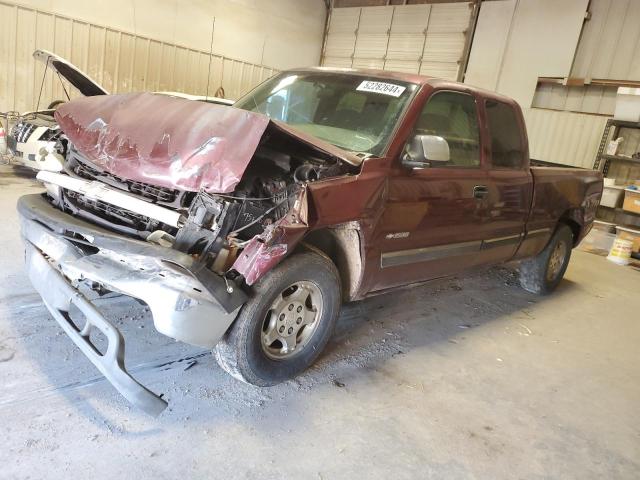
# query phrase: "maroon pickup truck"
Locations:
[[245, 228]]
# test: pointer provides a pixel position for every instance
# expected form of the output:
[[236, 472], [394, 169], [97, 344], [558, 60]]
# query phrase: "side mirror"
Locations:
[[425, 150]]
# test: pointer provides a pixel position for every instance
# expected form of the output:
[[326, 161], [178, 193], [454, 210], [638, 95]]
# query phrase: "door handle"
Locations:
[[480, 191]]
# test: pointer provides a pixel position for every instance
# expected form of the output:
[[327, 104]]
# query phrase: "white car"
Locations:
[[34, 138]]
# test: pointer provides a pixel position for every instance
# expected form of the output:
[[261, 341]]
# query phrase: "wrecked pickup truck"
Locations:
[[244, 228]]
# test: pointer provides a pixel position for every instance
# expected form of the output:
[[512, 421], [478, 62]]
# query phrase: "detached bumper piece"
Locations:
[[187, 303], [51, 286]]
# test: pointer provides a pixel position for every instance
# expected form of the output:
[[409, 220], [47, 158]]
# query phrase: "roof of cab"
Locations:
[[403, 77], [406, 77]]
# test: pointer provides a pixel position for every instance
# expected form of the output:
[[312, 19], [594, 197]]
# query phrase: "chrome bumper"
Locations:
[[63, 251], [52, 286]]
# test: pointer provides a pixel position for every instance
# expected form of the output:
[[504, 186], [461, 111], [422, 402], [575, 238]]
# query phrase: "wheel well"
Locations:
[[341, 244], [574, 226]]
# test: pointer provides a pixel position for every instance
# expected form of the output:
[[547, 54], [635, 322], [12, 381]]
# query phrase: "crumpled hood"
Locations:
[[164, 141], [172, 142]]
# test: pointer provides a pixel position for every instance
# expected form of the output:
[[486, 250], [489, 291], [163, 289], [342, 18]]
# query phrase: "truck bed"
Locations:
[[569, 193]]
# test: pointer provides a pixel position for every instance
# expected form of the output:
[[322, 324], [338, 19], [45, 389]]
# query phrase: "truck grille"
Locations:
[[150, 192], [131, 221]]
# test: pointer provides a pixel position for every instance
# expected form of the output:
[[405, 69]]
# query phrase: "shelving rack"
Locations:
[[621, 166], [613, 129]]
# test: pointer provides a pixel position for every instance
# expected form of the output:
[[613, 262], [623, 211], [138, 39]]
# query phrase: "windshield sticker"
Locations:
[[381, 87]]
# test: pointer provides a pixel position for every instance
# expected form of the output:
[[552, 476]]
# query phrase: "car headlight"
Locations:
[[51, 135]]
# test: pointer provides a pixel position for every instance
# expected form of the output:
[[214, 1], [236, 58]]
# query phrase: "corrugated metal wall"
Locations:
[[610, 43], [564, 137], [609, 49], [588, 99], [426, 39], [119, 61]]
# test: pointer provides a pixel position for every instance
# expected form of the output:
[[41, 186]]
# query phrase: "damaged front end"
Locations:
[[184, 213]]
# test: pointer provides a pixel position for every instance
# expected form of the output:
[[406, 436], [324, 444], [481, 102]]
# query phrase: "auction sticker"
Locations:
[[381, 87]]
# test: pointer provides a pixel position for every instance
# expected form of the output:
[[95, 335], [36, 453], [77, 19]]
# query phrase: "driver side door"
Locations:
[[436, 217]]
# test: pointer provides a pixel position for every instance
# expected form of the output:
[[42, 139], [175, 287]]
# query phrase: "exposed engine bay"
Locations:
[[212, 227]]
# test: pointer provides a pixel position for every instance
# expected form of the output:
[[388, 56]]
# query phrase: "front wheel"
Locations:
[[542, 273], [285, 325]]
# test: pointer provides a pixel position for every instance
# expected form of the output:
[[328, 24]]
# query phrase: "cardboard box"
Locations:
[[627, 104], [612, 196], [604, 226], [631, 200], [598, 241], [631, 235]]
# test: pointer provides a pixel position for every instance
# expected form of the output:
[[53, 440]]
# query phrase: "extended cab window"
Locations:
[[506, 138], [453, 116]]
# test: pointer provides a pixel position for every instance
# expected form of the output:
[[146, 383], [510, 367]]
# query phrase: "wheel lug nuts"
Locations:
[[281, 316], [299, 309], [281, 329], [290, 330], [291, 306], [299, 320]]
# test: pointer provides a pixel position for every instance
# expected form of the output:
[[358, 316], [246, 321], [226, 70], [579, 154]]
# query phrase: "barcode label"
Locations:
[[381, 87]]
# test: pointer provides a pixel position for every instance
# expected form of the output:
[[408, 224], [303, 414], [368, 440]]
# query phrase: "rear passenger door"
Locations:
[[509, 179]]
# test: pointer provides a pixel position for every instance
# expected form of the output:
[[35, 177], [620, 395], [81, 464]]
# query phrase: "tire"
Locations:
[[542, 273], [245, 352]]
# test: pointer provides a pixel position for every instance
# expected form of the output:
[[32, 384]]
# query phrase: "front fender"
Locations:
[[265, 251]]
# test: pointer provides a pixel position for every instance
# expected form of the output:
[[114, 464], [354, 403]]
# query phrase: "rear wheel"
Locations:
[[286, 323], [543, 273]]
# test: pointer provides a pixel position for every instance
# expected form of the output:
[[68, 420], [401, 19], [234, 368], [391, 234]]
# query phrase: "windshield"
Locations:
[[356, 113]]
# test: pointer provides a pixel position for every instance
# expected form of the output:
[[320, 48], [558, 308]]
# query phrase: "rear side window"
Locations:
[[506, 139]]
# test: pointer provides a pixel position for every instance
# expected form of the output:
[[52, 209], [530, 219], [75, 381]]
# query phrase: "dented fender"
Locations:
[[267, 250]]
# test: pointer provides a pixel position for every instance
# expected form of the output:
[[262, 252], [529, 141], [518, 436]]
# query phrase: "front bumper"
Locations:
[[187, 302]]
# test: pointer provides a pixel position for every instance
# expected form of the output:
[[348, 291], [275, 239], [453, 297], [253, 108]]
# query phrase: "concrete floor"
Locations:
[[467, 378]]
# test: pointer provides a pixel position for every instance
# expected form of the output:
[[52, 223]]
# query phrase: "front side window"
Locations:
[[506, 139], [353, 112], [453, 116]]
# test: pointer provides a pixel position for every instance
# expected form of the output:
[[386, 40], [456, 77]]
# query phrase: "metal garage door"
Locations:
[[426, 39]]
